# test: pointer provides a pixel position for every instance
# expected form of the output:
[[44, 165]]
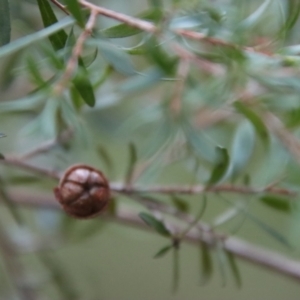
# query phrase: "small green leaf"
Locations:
[[124, 30], [180, 204], [117, 58], [74, 8], [206, 264], [83, 85], [132, 161], [155, 224], [242, 148], [234, 269], [221, 166], [4, 22], [281, 204], [254, 119], [163, 251], [58, 39]]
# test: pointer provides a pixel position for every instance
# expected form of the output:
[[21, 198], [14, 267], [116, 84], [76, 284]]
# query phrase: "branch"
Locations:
[[254, 254]]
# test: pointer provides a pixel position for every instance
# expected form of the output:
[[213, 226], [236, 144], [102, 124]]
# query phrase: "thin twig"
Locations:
[[246, 251], [77, 50], [60, 6]]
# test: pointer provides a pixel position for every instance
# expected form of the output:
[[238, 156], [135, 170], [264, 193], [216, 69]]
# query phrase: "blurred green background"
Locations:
[[103, 260]]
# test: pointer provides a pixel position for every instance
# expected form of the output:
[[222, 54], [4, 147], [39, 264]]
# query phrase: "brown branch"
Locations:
[[246, 251]]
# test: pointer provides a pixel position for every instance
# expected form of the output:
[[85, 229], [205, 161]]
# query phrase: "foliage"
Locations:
[[185, 98]]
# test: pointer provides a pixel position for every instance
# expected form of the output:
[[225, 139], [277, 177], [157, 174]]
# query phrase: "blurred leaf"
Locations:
[[222, 262], [58, 39], [292, 16], [35, 37], [74, 8], [124, 30], [161, 57], [256, 16], [163, 251], [221, 166], [83, 85], [116, 57], [34, 71], [234, 269], [155, 224], [131, 165], [4, 22], [89, 230], [2, 156], [281, 204], [199, 143], [105, 156], [26, 179], [180, 204], [254, 119], [2, 135], [156, 3], [206, 264], [242, 148]]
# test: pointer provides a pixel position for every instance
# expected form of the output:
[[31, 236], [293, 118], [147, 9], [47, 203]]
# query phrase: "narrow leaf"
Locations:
[[180, 204], [4, 22], [234, 269], [242, 148], [155, 224], [74, 8], [35, 37], [281, 204], [221, 166], [59, 38], [132, 161], [206, 264], [117, 58], [163, 251], [254, 119]]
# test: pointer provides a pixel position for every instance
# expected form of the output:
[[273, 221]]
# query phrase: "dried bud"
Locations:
[[83, 191]]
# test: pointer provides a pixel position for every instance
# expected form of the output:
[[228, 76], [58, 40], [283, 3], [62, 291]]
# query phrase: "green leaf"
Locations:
[[278, 203], [242, 148], [206, 264], [105, 156], [35, 37], [4, 22], [180, 204], [2, 156], [256, 16], [221, 166], [59, 38], [155, 224], [83, 85], [34, 71], [161, 57], [163, 251], [124, 30], [74, 8], [234, 269], [254, 119], [117, 58], [131, 165]]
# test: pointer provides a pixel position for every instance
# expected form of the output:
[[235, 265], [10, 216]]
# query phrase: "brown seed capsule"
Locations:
[[83, 191]]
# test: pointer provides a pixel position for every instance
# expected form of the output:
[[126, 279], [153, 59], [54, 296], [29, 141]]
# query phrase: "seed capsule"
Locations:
[[83, 191]]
